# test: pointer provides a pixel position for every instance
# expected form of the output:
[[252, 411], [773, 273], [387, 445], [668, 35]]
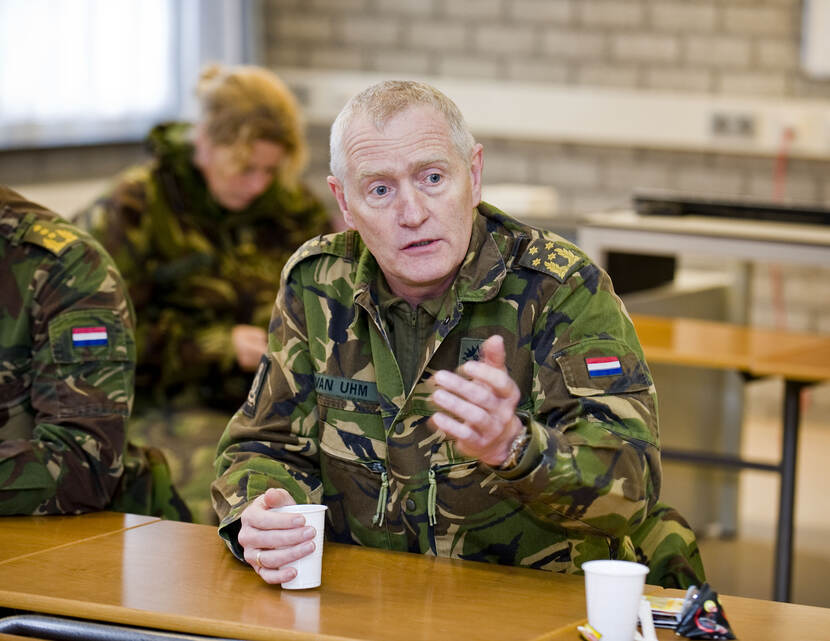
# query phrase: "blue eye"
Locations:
[[381, 190], [434, 178]]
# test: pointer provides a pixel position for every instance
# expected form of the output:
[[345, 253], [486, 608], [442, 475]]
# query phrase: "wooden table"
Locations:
[[800, 359], [180, 577], [750, 619], [24, 535]]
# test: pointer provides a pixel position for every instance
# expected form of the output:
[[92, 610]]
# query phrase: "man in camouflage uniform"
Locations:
[[446, 379], [67, 357], [197, 273]]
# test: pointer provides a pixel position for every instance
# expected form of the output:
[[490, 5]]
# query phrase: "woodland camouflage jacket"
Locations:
[[67, 358], [328, 417]]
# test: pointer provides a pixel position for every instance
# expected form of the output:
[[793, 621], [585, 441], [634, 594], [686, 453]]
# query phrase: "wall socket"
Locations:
[[733, 125]]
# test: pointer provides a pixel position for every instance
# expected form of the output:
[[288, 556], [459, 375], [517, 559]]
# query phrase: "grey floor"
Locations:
[[743, 564]]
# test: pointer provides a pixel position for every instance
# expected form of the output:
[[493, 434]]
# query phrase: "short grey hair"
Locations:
[[386, 99]]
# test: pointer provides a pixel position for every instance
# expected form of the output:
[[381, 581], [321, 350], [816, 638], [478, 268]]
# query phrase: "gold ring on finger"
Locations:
[[258, 561]]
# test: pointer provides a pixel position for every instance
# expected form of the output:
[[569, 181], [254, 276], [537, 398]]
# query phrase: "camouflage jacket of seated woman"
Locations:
[[195, 269]]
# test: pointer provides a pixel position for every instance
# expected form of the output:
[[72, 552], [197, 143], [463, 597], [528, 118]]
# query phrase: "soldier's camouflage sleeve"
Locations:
[[255, 452], [71, 356], [593, 461]]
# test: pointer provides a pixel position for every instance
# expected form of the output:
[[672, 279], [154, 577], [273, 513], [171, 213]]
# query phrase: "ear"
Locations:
[[340, 194], [476, 167]]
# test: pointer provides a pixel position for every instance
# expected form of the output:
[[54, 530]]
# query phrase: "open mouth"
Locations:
[[420, 243]]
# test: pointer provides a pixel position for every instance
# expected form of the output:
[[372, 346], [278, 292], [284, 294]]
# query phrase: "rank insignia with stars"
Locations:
[[50, 236], [550, 257]]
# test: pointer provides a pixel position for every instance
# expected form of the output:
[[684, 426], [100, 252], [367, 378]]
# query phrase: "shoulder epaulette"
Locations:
[[336, 244], [554, 258], [51, 235]]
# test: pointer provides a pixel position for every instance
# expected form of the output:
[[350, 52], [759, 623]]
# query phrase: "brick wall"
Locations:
[[747, 47], [724, 47]]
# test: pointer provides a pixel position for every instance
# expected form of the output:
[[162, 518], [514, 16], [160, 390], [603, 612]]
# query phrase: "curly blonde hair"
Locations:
[[243, 104]]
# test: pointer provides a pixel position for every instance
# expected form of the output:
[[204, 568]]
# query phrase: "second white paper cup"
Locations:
[[309, 568], [612, 594]]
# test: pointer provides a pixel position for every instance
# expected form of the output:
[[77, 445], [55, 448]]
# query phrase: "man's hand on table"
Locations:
[[272, 539]]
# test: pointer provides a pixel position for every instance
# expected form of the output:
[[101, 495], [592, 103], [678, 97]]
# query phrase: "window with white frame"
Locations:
[[83, 71]]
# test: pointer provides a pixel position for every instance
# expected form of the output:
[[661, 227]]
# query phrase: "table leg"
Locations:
[[786, 505]]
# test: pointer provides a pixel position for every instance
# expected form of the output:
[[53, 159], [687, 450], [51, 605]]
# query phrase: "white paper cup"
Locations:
[[612, 593], [309, 567]]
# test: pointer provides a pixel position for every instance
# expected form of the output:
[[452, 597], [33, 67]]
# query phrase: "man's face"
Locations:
[[411, 197], [234, 186]]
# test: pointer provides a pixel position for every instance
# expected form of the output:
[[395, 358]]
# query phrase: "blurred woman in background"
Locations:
[[200, 234]]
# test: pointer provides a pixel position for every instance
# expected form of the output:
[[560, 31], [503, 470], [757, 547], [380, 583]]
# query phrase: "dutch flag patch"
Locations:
[[89, 336], [603, 366]]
